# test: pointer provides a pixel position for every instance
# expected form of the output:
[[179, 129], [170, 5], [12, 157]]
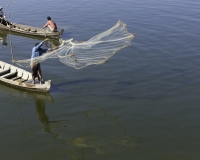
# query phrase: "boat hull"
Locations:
[[18, 78], [30, 30]]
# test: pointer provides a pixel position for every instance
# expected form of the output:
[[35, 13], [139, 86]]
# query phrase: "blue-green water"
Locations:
[[142, 104]]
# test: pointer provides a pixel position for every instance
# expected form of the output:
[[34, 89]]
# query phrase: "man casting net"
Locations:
[[96, 50]]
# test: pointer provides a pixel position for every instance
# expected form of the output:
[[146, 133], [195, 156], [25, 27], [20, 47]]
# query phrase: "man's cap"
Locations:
[[1, 8]]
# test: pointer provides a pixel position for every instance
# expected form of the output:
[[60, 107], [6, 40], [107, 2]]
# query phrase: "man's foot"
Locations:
[[42, 82]]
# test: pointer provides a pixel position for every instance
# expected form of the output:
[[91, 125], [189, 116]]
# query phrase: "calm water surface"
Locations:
[[142, 104]]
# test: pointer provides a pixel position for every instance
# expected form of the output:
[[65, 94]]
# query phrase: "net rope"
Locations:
[[96, 50]]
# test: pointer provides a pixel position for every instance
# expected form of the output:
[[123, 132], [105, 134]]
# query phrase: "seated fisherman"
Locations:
[[51, 24]]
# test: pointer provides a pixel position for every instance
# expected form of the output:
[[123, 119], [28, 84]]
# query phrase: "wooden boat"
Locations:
[[17, 77], [30, 30]]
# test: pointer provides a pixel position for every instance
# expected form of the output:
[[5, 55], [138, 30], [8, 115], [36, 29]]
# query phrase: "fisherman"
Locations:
[[51, 24], [35, 66], [1, 13], [2, 17]]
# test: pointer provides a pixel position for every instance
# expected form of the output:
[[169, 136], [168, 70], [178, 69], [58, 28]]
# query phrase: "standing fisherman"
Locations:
[[35, 66]]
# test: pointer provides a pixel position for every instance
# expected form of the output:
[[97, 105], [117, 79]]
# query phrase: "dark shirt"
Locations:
[[1, 14]]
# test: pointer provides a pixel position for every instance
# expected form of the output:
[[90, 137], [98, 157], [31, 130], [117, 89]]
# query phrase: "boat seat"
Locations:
[[33, 30], [26, 29], [23, 80], [19, 76], [20, 79], [10, 75], [4, 72], [1, 66], [15, 78]]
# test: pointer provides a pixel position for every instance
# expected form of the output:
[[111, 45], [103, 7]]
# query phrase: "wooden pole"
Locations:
[[7, 6]]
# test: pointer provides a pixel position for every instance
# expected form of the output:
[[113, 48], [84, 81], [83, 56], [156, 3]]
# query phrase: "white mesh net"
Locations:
[[96, 50]]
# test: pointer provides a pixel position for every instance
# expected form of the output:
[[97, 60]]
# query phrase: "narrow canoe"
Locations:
[[20, 78], [30, 30]]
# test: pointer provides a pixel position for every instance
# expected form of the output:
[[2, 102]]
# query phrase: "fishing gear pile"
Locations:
[[96, 50]]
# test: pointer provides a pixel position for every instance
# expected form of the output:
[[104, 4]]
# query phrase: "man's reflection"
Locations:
[[42, 117]]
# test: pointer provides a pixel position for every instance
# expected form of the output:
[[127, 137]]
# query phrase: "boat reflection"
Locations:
[[22, 96], [3, 38]]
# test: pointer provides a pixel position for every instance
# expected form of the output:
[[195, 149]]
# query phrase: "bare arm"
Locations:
[[46, 24]]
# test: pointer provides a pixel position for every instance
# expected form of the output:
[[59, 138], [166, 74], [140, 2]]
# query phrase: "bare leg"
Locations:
[[39, 74], [33, 76], [39, 77], [33, 82]]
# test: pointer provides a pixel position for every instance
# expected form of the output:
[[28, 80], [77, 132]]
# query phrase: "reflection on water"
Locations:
[[20, 94], [104, 133], [3, 38], [53, 42], [42, 117], [76, 133]]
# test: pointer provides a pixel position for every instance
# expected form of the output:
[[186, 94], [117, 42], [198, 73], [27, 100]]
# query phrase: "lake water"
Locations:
[[142, 104]]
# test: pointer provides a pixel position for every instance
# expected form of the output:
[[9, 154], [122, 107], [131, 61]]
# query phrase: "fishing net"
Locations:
[[96, 50]]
